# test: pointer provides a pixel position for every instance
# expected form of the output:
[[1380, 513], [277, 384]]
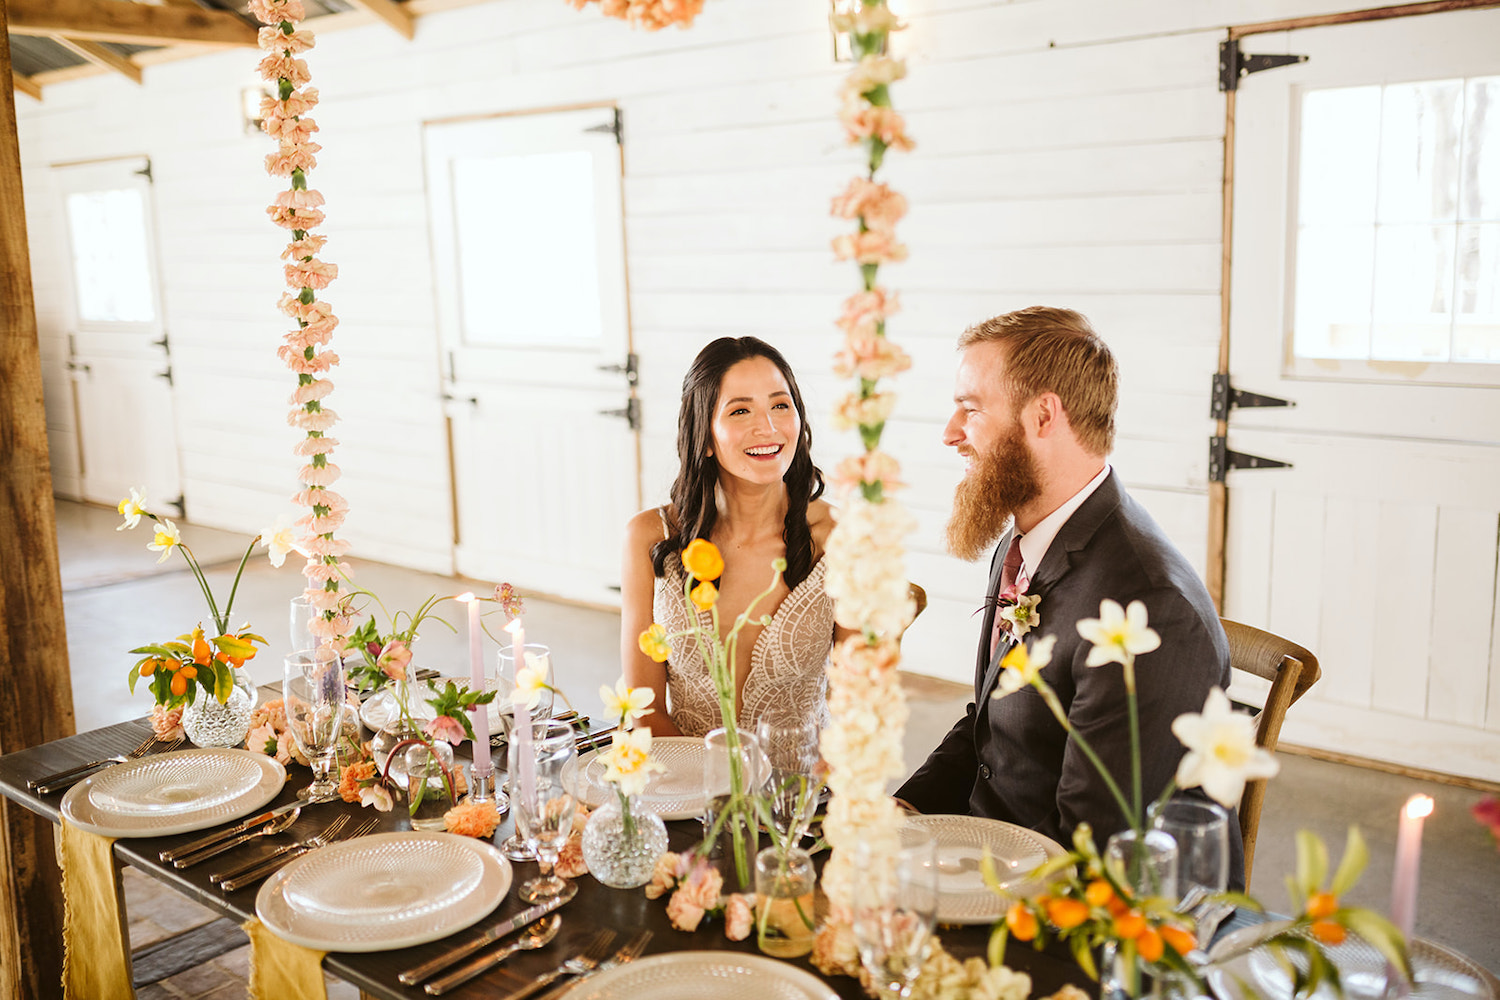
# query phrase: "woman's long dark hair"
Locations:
[[693, 498]]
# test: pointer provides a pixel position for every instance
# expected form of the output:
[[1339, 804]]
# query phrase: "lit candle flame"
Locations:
[[1419, 806], [513, 626], [467, 598]]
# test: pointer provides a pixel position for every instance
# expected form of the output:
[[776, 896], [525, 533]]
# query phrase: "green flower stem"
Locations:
[[1136, 819], [229, 604], [1050, 697]]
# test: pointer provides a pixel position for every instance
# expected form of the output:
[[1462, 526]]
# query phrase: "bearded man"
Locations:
[[1034, 423]]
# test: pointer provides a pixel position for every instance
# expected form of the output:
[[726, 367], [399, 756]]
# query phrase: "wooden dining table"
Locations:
[[593, 908]]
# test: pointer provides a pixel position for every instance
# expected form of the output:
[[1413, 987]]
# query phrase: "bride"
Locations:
[[747, 483]]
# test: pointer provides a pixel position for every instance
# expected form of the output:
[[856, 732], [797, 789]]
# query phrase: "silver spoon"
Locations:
[[276, 825], [538, 935]]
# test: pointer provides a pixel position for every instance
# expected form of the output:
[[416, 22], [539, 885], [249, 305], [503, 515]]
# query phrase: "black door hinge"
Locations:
[[615, 127], [146, 173], [1221, 460], [1225, 398], [1234, 64], [630, 369], [631, 414]]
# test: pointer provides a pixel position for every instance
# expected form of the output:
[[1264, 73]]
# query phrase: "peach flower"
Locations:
[[278, 66], [275, 40], [166, 723], [329, 628], [570, 862], [873, 71], [472, 819], [262, 739], [315, 446], [871, 357], [683, 913], [291, 218], [864, 311], [314, 420], [320, 498], [351, 776], [867, 469], [664, 876], [301, 249], [289, 130], [321, 572], [322, 524], [287, 750], [877, 204], [310, 336], [702, 885], [854, 410], [874, 246], [863, 120], [311, 391], [292, 156], [835, 950], [319, 475], [321, 546], [378, 796], [299, 362], [313, 273], [738, 916], [293, 198], [273, 11]]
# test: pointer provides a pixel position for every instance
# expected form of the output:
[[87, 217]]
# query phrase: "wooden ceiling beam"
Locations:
[[138, 24], [26, 85], [394, 14], [97, 54]]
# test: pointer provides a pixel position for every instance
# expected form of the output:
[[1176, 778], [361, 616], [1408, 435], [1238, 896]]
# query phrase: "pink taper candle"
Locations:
[[525, 775], [479, 715], [1408, 860]]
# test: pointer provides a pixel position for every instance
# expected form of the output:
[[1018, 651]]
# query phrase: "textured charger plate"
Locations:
[[1015, 851], [676, 793], [1441, 974], [693, 975], [173, 793], [389, 890]]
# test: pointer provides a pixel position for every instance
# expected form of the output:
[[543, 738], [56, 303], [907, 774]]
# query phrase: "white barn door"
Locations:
[[528, 246], [1366, 289]]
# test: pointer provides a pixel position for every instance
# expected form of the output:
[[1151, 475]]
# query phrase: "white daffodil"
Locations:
[[166, 539], [531, 681], [1022, 615], [1119, 634], [624, 704], [1222, 754], [628, 763], [279, 539], [132, 507], [1022, 666]]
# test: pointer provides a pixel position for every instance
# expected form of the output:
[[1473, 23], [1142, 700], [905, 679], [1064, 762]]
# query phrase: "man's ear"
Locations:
[[1047, 415]]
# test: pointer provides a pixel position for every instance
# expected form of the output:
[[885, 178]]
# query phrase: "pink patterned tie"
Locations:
[[1009, 574]]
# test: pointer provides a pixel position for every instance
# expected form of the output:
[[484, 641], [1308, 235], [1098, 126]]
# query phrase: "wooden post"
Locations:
[[36, 694]]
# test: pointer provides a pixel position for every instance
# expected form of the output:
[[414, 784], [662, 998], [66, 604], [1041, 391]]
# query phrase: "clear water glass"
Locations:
[[791, 746], [1201, 830], [303, 614], [503, 683], [544, 813], [313, 692], [895, 908]]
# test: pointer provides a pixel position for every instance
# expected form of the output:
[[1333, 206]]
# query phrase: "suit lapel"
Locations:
[[982, 660]]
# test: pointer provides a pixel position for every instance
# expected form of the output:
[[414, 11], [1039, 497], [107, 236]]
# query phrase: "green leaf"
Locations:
[[1084, 956], [1312, 862], [157, 651], [1294, 890], [135, 675], [1381, 933], [998, 937], [223, 682], [1352, 865], [234, 646]]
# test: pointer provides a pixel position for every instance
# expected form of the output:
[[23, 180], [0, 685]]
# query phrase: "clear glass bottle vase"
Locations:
[[208, 723], [622, 843]]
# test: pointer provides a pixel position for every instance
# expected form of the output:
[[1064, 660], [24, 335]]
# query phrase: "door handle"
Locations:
[[630, 369], [631, 414]]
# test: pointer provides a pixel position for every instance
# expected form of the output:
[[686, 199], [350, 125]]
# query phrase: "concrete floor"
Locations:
[[116, 597]]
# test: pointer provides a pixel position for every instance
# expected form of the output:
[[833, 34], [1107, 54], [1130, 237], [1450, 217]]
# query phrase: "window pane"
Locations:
[[1334, 265], [1413, 293], [110, 269], [1476, 328], [1340, 135], [1480, 181], [527, 257], [1420, 129]]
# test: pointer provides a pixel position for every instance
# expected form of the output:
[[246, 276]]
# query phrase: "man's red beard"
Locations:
[[998, 484]]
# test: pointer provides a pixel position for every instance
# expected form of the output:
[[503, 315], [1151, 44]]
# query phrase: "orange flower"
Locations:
[[705, 595], [1021, 921], [1099, 893], [1149, 945], [701, 559], [1328, 932], [1322, 905], [1180, 939], [1129, 926], [1065, 914]]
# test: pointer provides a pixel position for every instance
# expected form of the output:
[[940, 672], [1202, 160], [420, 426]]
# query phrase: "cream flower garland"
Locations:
[[305, 349], [865, 557]]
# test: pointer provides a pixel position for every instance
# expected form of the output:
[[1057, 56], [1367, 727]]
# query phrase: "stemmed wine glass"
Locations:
[[313, 693], [790, 743], [1201, 830], [304, 612], [895, 908], [504, 682], [544, 810]]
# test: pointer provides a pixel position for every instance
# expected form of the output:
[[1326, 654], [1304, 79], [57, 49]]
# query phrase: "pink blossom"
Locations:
[[271, 713], [276, 40], [313, 273], [329, 628], [290, 130], [166, 723], [320, 498], [287, 750], [877, 204], [874, 246], [298, 102], [863, 120], [864, 310], [376, 795], [315, 446], [570, 862], [871, 357], [272, 11], [738, 916], [291, 218], [311, 391], [277, 66], [322, 524], [315, 475], [683, 912], [868, 468], [321, 572], [323, 600], [292, 156], [301, 250], [444, 727], [864, 411], [321, 546], [308, 336], [663, 877], [702, 885], [312, 420], [472, 819], [299, 362], [293, 198], [262, 739], [393, 661]]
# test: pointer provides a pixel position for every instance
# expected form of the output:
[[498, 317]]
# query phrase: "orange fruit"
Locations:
[[179, 684], [1099, 893], [1065, 914], [1117, 907], [1180, 939], [1321, 905], [1329, 932], [148, 667], [189, 671], [1149, 945], [1021, 921], [1129, 926]]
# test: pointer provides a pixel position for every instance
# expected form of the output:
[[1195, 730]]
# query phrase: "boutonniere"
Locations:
[[1019, 611]]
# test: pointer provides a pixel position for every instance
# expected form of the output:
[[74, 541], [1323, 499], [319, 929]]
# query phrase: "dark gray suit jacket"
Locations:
[[1010, 759]]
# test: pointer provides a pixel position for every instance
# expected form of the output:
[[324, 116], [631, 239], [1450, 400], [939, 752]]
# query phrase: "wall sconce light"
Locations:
[[250, 98], [839, 10]]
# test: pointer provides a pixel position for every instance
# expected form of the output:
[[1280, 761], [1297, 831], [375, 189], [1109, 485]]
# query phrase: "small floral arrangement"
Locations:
[[697, 892], [1019, 611], [451, 703], [385, 655], [178, 668], [628, 764]]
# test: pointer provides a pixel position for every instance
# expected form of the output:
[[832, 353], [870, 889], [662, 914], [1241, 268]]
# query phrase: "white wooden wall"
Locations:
[[1069, 153]]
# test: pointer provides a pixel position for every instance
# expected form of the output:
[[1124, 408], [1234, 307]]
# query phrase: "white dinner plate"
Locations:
[[676, 793], [1015, 851], [1441, 974], [385, 891], [171, 793], [693, 975]]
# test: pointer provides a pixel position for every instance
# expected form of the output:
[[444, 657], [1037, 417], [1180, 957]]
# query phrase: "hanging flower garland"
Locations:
[[653, 15], [866, 558], [305, 349]]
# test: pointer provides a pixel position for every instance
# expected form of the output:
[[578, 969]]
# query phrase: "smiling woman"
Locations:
[[746, 482]]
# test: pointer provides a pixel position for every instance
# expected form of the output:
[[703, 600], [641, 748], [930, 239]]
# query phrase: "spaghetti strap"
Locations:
[[666, 529]]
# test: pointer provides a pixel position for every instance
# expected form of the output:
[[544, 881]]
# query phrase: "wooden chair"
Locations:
[[920, 596], [1291, 671]]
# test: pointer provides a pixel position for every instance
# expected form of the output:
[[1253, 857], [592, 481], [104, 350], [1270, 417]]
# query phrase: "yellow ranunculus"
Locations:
[[705, 595], [701, 558], [653, 643]]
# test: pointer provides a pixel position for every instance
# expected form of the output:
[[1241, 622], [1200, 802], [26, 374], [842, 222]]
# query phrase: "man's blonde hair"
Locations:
[[1056, 350]]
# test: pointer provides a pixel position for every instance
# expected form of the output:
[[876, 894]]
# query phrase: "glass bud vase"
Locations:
[[429, 789], [208, 723], [735, 770], [784, 919], [621, 850], [399, 727], [1148, 866]]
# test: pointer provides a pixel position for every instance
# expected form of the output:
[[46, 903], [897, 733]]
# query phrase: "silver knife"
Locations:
[[416, 974], [183, 850]]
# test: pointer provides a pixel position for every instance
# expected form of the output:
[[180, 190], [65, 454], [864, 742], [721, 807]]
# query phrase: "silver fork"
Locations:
[[629, 953], [243, 876], [52, 782], [580, 964]]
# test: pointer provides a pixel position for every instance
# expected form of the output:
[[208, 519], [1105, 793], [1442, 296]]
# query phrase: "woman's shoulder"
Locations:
[[648, 527], [820, 524]]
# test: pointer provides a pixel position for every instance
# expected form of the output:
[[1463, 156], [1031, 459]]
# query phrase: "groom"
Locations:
[[1034, 422]]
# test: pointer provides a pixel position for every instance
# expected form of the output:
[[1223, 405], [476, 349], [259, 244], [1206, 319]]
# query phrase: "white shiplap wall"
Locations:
[[1069, 152]]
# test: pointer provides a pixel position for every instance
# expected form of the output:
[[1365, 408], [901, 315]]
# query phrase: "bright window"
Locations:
[[111, 268]]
